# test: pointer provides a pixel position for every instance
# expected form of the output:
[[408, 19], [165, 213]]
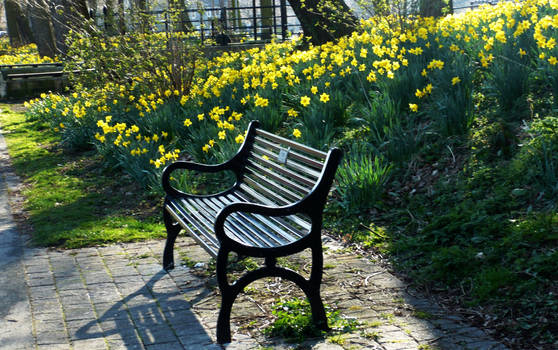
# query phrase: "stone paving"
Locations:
[[118, 297]]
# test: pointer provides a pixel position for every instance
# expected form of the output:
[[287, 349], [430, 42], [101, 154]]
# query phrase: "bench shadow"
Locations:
[[143, 318]]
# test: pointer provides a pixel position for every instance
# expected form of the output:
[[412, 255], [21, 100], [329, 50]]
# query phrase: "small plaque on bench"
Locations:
[[282, 156]]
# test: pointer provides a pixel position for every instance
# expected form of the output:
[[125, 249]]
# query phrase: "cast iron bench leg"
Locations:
[[173, 228], [228, 295], [311, 289]]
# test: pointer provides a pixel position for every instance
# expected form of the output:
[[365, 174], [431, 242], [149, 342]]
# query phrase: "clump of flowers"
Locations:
[[427, 65]]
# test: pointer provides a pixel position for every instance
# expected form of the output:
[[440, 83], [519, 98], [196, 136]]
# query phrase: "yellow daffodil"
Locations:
[[305, 101]]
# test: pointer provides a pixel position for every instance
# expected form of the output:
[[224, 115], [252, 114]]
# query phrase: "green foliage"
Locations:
[[425, 315], [387, 130], [362, 179], [166, 61], [492, 282], [294, 321], [537, 161], [202, 183], [511, 97], [452, 106], [485, 236]]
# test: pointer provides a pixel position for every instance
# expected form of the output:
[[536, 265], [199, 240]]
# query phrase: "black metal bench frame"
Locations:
[[188, 212]]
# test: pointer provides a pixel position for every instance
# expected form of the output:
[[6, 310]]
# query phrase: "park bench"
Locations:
[[274, 209], [28, 80]]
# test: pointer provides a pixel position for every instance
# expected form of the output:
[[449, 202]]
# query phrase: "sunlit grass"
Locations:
[[72, 200]]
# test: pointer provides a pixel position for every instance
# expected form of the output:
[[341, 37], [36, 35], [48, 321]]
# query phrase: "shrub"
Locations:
[[362, 178]]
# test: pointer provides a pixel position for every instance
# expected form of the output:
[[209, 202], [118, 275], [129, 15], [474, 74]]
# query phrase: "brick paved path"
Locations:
[[118, 297]]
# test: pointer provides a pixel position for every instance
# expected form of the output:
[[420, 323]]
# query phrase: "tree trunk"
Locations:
[[60, 24], [66, 15], [19, 31], [121, 17], [267, 18], [93, 5], [41, 27], [431, 8], [179, 17], [324, 20], [81, 8]]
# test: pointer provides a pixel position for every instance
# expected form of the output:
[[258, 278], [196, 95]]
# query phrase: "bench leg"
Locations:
[[319, 317], [228, 295], [172, 232], [229, 292], [313, 291], [224, 320]]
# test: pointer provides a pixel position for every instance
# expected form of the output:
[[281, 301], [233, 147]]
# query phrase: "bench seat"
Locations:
[[197, 215]]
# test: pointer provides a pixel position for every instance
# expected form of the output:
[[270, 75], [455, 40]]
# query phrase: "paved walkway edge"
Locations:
[[15, 313]]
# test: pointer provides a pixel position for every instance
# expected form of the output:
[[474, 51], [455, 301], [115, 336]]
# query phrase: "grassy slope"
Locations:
[[72, 200], [481, 227]]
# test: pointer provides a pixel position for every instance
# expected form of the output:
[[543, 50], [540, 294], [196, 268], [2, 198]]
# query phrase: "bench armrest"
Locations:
[[235, 164], [252, 208], [206, 168]]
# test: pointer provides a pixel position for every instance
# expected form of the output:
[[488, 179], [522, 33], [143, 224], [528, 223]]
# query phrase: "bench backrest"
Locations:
[[279, 171]]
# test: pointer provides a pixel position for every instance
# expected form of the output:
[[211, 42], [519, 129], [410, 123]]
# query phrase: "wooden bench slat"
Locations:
[[200, 239], [291, 163], [287, 232], [254, 196], [285, 180], [240, 226], [294, 176], [292, 154], [305, 225], [211, 213], [274, 186], [271, 193], [292, 144], [210, 248], [255, 228], [197, 213], [202, 221]]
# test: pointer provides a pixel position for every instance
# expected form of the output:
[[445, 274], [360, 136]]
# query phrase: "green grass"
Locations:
[[71, 199], [293, 321]]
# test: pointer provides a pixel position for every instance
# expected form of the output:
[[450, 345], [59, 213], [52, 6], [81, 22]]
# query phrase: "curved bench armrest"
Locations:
[[214, 168], [235, 164], [252, 208]]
